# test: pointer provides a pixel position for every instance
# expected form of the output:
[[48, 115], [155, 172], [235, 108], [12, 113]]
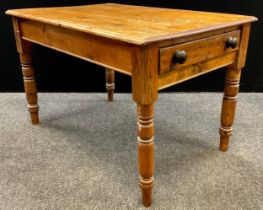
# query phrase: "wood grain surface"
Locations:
[[134, 24], [99, 50]]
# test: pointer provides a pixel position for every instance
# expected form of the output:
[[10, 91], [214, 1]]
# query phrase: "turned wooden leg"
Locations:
[[146, 151], [30, 86], [229, 106], [24, 49], [110, 86]]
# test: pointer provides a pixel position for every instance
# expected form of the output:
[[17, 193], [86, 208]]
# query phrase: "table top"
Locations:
[[133, 24]]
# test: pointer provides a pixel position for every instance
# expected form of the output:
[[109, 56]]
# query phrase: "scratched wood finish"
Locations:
[[133, 45], [110, 85], [138, 25], [197, 51]]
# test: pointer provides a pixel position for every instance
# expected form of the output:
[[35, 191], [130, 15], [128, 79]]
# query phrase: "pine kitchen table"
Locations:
[[156, 47]]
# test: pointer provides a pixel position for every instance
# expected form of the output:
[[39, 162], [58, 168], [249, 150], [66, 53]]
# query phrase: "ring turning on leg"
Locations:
[[110, 85], [146, 151], [30, 87], [229, 106]]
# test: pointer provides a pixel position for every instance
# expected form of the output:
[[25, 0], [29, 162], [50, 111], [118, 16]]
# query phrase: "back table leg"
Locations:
[[110, 85]]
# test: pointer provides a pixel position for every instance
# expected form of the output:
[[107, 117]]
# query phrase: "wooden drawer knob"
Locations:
[[179, 56], [231, 42]]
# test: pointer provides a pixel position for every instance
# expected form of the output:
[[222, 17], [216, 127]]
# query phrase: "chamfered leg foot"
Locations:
[[145, 151], [110, 85], [229, 106], [30, 87], [224, 139]]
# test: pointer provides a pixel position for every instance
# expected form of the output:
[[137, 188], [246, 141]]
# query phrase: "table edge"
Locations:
[[146, 41]]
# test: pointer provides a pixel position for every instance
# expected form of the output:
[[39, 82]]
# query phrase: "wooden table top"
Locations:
[[133, 24]]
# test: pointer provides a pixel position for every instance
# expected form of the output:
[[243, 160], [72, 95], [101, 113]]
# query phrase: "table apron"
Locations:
[[99, 50]]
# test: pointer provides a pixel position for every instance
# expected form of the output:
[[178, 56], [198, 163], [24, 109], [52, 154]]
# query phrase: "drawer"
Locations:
[[177, 56]]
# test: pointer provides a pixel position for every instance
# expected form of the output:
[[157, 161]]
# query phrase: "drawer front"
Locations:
[[189, 53]]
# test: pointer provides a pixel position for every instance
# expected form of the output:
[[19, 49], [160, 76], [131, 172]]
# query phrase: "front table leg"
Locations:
[[145, 151], [30, 85], [24, 49], [229, 106]]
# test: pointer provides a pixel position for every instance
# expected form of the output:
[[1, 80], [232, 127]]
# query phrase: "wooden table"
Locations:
[[156, 47]]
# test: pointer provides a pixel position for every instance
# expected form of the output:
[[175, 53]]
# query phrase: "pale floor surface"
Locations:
[[83, 155]]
